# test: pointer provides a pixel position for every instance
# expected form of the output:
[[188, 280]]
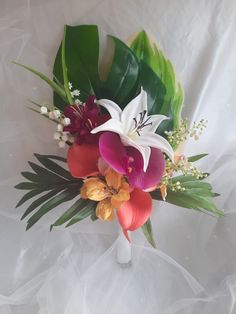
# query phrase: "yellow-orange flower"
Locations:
[[110, 193]]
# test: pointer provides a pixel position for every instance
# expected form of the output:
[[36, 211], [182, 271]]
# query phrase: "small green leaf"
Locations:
[[28, 196], [196, 157], [72, 211], [40, 201], [197, 195], [45, 175], [147, 230], [93, 216], [64, 196], [28, 186], [84, 213], [55, 157], [51, 165], [193, 201], [57, 89]]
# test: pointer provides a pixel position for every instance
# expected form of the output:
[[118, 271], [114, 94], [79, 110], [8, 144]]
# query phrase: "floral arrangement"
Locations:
[[122, 131]]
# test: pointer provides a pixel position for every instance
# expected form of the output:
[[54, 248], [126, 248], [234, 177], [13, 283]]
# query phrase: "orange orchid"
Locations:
[[110, 193]]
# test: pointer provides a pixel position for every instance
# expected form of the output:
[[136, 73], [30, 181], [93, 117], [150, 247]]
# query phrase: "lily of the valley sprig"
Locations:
[[120, 137]]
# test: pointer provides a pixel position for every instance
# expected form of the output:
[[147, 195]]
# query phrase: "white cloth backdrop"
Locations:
[[74, 271]]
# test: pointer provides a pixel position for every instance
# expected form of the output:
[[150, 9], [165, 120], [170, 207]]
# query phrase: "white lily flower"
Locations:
[[135, 127]]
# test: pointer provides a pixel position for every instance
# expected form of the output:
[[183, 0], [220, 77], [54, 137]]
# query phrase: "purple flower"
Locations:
[[128, 161], [84, 118]]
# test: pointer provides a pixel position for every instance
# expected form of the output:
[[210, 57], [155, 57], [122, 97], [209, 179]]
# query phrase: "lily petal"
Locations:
[[132, 110], [111, 125], [156, 141], [111, 107], [155, 170], [136, 211], [82, 160], [156, 120]]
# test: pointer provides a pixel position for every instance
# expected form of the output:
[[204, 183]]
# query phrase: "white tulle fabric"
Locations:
[[75, 270]]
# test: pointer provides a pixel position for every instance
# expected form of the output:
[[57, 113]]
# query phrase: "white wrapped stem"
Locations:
[[124, 252]]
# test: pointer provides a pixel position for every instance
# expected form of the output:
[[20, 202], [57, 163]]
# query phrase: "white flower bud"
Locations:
[[59, 127], [51, 115], [77, 102], [44, 110], [64, 137], [57, 136], [66, 121], [61, 144], [57, 113]]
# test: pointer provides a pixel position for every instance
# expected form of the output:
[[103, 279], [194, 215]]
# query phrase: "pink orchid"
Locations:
[[128, 161]]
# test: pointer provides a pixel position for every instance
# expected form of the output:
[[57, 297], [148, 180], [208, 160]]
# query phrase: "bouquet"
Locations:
[[122, 130]]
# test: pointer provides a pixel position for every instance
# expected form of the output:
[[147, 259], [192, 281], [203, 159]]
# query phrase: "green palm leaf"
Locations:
[[79, 205], [64, 196], [83, 213]]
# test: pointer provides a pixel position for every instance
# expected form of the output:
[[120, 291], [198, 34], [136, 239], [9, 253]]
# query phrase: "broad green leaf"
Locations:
[[81, 58], [72, 211], [64, 196], [54, 167], [120, 84], [40, 201], [84, 213], [147, 230], [153, 86], [28, 196], [196, 157], [57, 89], [149, 53]]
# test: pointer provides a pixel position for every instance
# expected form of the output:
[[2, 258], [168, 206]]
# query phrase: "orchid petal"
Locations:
[[144, 150], [135, 212], [111, 125], [156, 141], [82, 160], [132, 110], [113, 151], [155, 170], [111, 107], [156, 121]]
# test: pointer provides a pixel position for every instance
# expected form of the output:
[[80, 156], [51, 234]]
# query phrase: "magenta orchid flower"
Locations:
[[128, 161], [135, 127]]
